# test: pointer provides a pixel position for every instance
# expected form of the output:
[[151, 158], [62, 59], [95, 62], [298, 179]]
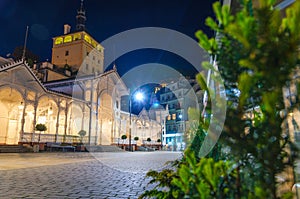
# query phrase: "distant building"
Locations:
[[179, 96]]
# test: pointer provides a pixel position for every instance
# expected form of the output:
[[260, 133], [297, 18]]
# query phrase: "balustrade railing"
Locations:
[[37, 137]]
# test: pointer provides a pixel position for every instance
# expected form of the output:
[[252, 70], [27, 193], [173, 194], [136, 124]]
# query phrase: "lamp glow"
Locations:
[[139, 96]]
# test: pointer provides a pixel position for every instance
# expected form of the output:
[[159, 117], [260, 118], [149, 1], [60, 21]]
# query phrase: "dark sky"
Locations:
[[104, 19]]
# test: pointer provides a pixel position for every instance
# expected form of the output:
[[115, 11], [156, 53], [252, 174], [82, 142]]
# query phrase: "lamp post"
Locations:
[[139, 97]]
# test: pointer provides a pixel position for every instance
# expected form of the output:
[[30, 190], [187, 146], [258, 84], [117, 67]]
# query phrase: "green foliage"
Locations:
[[163, 187], [252, 50], [136, 138], [197, 141], [124, 137], [206, 178], [288, 195], [41, 127], [158, 140], [193, 179], [82, 133], [148, 139]]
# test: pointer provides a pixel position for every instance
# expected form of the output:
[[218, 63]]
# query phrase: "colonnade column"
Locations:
[[23, 121], [112, 131], [101, 127], [97, 125], [57, 124], [83, 117], [66, 121], [91, 112], [34, 118]]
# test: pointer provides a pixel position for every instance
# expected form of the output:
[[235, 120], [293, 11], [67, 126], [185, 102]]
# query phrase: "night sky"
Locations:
[[104, 19]]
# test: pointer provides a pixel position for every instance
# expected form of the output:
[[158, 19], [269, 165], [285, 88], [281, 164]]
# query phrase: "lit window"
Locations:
[[173, 116], [99, 48], [59, 40], [94, 44], [76, 37], [67, 39], [169, 117], [87, 38]]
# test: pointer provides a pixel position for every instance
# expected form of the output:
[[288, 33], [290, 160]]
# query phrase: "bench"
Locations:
[[53, 146]]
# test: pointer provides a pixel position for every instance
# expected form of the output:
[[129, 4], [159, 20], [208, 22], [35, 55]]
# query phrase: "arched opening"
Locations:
[[11, 106], [61, 122], [29, 118], [47, 114], [75, 122], [106, 120]]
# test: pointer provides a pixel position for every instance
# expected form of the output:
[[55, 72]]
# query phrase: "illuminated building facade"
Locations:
[[179, 96], [70, 94]]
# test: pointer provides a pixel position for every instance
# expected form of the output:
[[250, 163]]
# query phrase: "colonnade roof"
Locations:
[[20, 74]]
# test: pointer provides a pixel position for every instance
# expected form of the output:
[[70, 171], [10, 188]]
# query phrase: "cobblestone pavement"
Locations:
[[78, 175]]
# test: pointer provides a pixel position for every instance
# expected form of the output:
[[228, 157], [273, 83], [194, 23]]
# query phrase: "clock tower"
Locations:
[[78, 50]]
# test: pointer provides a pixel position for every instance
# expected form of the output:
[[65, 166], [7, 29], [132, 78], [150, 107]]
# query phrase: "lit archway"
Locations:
[[75, 120], [29, 118], [47, 114], [106, 119], [11, 106]]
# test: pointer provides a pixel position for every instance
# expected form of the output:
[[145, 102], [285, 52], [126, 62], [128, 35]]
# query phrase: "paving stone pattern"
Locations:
[[92, 178]]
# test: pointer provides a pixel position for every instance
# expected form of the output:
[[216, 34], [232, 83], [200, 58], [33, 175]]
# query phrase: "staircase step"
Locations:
[[103, 148], [14, 149]]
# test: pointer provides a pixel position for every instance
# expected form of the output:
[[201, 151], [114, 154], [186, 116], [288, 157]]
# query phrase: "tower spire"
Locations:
[[80, 18]]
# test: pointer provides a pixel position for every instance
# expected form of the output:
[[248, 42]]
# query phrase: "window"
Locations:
[[66, 53], [169, 117], [174, 116], [67, 39], [87, 53], [93, 70], [99, 48], [94, 44], [87, 38], [86, 67], [76, 37], [58, 40], [93, 57]]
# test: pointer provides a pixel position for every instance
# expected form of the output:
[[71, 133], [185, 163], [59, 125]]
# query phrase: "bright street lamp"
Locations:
[[139, 97]]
